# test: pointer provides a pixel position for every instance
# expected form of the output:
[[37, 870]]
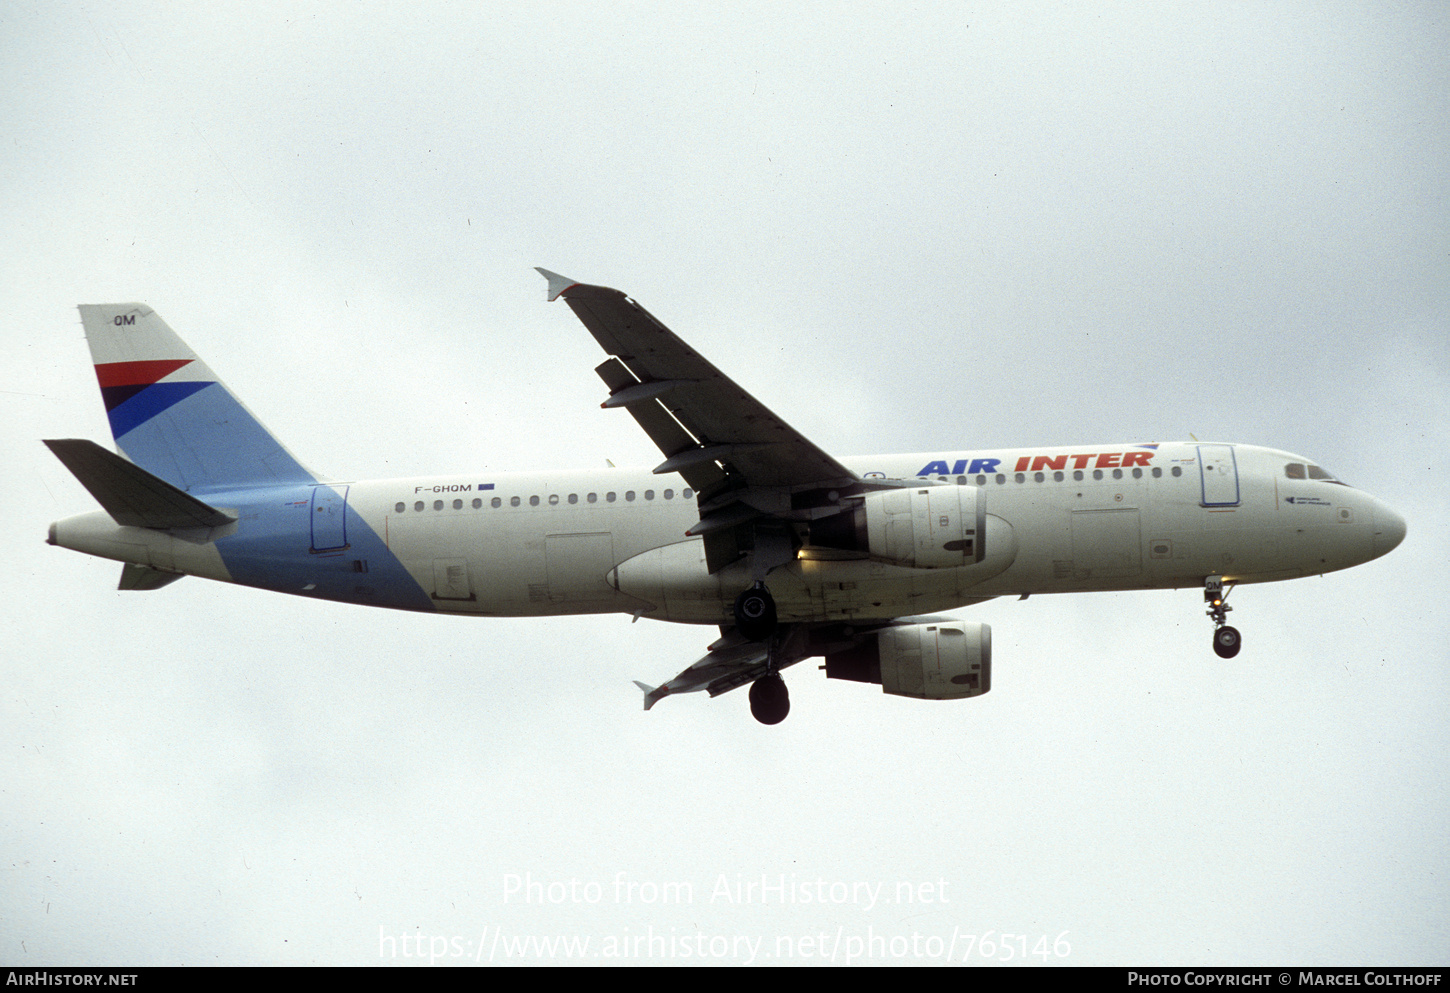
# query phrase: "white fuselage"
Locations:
[[1106, 517]]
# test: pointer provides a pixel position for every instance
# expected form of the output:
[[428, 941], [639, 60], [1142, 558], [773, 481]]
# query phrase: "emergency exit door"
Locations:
[[329, 518]]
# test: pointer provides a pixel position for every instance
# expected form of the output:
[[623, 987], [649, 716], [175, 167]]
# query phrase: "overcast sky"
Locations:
[[904, 227]]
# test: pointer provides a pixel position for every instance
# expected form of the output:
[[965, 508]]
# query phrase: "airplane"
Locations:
[[745, 524]]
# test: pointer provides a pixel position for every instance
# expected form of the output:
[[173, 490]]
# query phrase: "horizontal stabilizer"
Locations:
[[143, 577], [130, 494]]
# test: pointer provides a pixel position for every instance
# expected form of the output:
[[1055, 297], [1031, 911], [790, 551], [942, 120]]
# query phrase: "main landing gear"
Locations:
[[755, 613], [769, 699], [1226, 640], [755, 620]]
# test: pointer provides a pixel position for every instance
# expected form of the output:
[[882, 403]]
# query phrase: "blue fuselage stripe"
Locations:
[[273, 549]]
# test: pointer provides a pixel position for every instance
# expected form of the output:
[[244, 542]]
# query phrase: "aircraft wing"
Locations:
[[746, 463], [732, 662]]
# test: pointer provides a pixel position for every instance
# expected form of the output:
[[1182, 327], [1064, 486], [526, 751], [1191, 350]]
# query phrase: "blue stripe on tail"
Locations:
[[198, 437], [144, 403]]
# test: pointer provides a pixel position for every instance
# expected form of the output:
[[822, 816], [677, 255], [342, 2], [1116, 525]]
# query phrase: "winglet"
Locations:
[[652, 694], [557, 283]]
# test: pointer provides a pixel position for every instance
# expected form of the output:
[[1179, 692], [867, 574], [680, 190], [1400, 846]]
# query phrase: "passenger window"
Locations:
[[1178, 470], [592, 498], [553, 499], [1137, 473], [513, 501], [1157, 473], [457, 504], [496, 502], [609, 497], [981, 480], [629, 495], [477, 503], [1057, 477], [400, 508], [533, 501], [685, 493], [437, 504], [1097, 474], [1117, 474], [418, 505], [649, 494], [1077, 476], [669, 494], [1038, 477], [573, 497]]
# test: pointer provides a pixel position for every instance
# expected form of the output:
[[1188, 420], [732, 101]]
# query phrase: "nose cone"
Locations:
[[1389, 529]]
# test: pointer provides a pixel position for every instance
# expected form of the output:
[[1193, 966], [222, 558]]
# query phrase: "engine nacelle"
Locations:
[[929, 527], [924, 527], [947, 660]]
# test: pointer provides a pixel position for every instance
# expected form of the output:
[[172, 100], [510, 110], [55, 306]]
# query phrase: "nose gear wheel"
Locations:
[[1226, 640]]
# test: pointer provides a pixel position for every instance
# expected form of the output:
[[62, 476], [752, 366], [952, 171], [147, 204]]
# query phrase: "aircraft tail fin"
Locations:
[[169, 412], [131, 495]]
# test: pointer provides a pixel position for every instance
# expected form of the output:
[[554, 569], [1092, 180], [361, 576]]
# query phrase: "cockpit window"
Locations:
[[1298, 470]]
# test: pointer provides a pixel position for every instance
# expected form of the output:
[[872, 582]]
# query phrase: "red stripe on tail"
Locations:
[[137, 373]]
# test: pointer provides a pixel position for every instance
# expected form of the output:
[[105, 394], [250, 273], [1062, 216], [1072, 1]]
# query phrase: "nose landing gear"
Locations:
[[1226, 640]]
